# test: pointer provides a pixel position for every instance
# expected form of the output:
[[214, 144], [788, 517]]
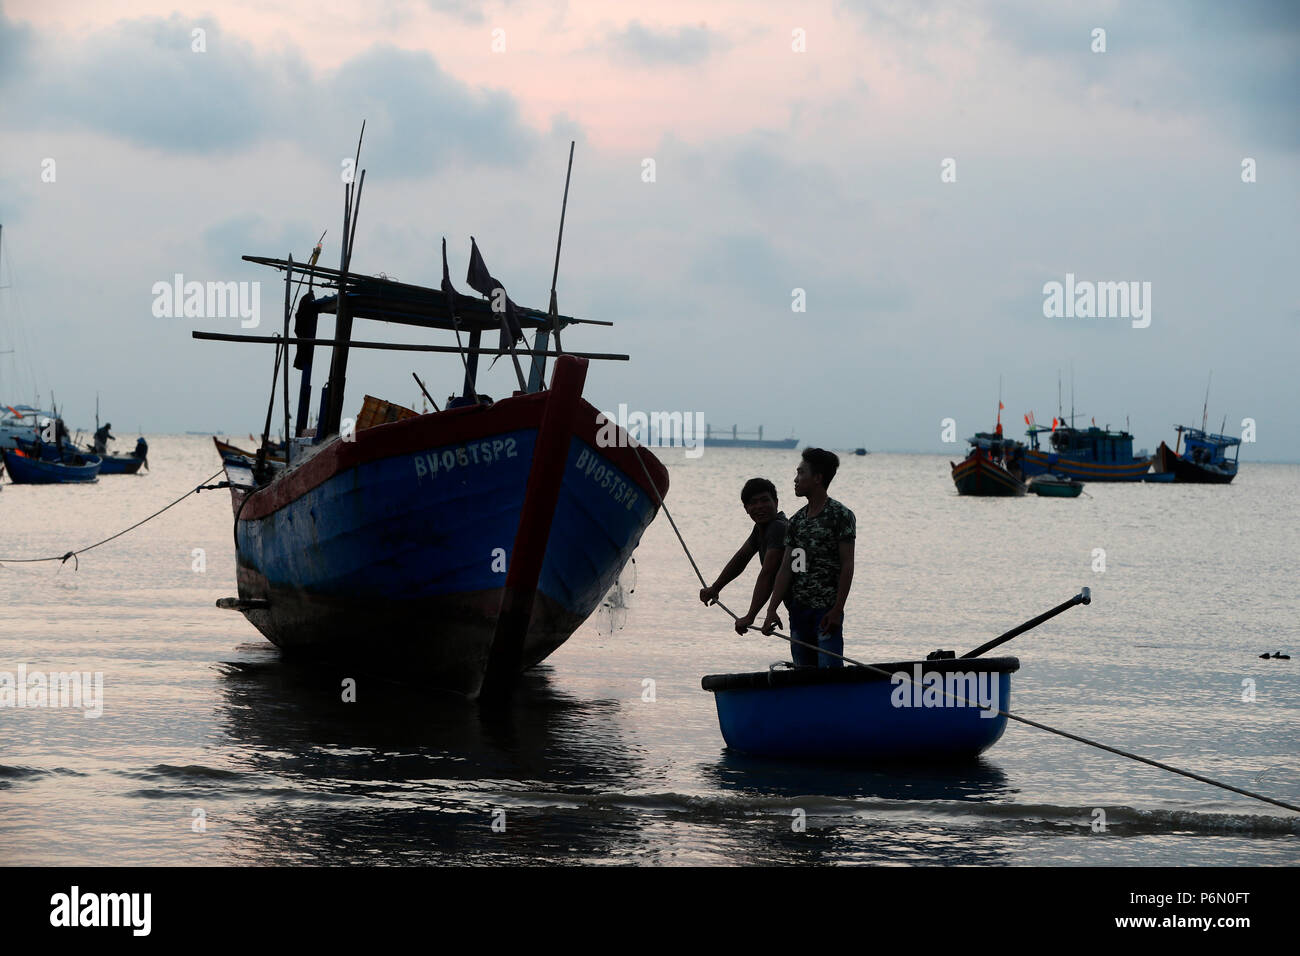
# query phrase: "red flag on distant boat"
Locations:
[[1027, 421], [1054, 423]]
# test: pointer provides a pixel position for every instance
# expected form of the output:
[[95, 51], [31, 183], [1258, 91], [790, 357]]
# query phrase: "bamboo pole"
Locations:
[[397, 346]]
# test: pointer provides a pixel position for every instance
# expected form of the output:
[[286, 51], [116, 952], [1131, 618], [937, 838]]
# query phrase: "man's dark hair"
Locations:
[[756, 486], [822, 462]]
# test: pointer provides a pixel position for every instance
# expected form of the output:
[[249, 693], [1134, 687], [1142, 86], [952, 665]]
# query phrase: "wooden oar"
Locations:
[[1083, 597]]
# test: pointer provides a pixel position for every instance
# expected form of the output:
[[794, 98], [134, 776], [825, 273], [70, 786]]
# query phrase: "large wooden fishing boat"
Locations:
[[1199, 457], [1087, 454], [459, 546]]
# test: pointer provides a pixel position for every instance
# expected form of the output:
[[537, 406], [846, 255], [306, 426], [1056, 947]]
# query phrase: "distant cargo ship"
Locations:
[[741, 439]]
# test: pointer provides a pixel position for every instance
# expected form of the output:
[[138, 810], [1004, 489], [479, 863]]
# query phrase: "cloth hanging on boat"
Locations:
[[482, 281], [304, 327]]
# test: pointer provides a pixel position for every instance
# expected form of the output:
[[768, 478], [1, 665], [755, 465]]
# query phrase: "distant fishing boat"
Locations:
[[1204, 457], [458, 547], [21, 422], [1055, 486], [120, 464], [993, 467], [38, 464], [116, 464], [1198, 456], [1088, 454], [861, 451], [739, 439]]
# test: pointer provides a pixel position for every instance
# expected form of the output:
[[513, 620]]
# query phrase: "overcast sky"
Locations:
[[794, 146]]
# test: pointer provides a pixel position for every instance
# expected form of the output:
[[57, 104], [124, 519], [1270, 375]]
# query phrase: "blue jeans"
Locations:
[[804, 622]]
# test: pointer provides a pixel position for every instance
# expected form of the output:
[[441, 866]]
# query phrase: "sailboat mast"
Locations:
[[1205, 411]]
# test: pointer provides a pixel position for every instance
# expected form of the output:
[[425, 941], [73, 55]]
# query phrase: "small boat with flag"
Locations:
[[942, 709], [993, 467], [454, 548], [1086, 454]]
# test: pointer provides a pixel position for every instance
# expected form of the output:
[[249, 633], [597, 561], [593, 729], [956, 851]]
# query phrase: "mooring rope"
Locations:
[[63, 558], [961, 701]]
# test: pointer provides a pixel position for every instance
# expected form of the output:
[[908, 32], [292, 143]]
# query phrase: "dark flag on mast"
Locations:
[[481, 281], [447, 289]]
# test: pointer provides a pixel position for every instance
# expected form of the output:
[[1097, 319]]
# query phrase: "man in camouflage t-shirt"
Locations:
[[818, 565]]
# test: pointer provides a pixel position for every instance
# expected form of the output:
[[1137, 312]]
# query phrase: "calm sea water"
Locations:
[[211, 750]]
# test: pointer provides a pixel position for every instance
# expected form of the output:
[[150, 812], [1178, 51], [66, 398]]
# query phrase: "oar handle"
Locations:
[[1083, 597]]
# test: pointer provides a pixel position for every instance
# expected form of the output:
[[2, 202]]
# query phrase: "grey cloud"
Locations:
[[685, 46], [139, 80], [15, 44], [420, 118]]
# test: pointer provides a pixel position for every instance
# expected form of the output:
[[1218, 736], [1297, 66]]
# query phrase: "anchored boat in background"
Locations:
[[1088, 454], [1198, 456], [1055, 486], [994, 467], [1204, 457], [461, 546]]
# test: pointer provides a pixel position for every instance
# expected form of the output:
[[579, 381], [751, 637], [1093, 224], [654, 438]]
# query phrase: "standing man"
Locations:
[[767, 540], [817, 568], [102, 437]]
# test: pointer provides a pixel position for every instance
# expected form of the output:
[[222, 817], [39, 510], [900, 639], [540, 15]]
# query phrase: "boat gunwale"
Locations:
[[449, 426], [820, 676]]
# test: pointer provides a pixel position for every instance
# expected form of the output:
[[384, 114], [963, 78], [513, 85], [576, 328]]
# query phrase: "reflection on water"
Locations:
[[977, 780], [404, 775]]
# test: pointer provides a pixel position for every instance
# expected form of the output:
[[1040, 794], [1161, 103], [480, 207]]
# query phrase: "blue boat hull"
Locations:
[[25, 470], [1046, 463], [120, 464], [396, 545], [857, 715]]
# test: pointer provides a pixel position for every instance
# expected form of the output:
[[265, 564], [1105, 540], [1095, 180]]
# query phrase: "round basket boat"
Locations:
[[909, 711]]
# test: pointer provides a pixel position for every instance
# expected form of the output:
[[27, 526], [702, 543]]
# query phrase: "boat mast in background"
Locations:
[[1205, 409]]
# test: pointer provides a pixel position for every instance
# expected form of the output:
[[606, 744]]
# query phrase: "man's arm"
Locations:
[[835, 616], [783, 579], [767, 575], [729, 573]]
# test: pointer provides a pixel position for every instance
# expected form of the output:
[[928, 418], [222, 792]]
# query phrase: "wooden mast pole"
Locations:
[[342, 318], [288, 307], [541, 339]]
